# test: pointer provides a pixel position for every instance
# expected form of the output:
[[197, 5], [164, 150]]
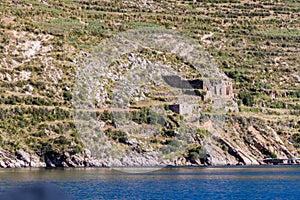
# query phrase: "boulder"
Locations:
[[2, 164], [24, 156]]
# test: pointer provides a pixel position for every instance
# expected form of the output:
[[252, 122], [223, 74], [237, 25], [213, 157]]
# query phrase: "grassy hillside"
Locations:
[[256, 44]]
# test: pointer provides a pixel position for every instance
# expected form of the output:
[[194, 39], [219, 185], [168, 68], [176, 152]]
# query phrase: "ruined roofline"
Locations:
[[204, 84], [197, 79]]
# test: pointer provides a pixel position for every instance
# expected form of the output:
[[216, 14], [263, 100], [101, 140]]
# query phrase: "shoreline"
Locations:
[[157, 167], [25, 160]]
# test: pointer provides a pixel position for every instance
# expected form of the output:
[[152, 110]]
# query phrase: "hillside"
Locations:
[[255, 45]]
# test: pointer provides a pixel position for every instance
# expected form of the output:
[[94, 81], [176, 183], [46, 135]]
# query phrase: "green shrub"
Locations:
[[171, 146], [167, 132], [193, 156], [197, 153], [272, 155], [67, 95], [106, 115], [155, 118], [202, 133], [77, 149], [246, 98], [62, 140], [119, 136], [295, 139]]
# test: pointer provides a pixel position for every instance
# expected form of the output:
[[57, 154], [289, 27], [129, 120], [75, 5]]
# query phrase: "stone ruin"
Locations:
[[220, 92], [218, 88]]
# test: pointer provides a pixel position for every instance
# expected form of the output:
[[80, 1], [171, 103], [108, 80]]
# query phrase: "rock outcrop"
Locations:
[[20, 159]]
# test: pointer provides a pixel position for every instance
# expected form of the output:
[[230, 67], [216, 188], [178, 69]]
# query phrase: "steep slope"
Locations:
[[256, 44]]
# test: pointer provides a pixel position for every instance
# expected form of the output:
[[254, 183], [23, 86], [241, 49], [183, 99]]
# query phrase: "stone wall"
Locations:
[[186, 110], [218, 88], [177, 82]]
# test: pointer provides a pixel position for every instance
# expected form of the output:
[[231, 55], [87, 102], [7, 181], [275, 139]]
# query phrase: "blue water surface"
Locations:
[[271, 182]]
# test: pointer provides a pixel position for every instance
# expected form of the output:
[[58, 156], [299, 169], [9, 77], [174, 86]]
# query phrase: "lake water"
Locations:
[[271, 182]]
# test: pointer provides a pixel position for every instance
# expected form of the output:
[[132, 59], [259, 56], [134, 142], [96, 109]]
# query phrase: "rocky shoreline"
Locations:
[[25, 160], [22, 159]]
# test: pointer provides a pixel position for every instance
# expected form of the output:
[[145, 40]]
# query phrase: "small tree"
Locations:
[[246, 98]]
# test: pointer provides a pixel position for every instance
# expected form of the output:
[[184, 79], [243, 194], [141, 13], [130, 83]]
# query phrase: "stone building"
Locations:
[[184, 109], [214, 87], [189, 111], [218, 89], [220, 92]]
